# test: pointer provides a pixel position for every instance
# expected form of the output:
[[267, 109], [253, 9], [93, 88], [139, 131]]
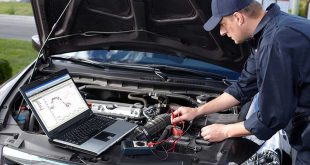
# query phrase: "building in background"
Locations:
[[288, 6], [285, 5]]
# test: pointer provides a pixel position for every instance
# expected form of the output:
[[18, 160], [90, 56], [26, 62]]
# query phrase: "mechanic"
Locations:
[[278, 68]]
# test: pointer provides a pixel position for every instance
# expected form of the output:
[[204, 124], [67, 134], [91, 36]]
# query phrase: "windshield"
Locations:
[[149, 58]]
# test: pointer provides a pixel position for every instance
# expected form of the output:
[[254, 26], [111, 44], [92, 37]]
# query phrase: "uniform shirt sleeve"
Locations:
[[246, 86], [280, 71]]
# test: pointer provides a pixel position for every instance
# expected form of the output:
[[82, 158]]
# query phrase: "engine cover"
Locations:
[[115, 108]]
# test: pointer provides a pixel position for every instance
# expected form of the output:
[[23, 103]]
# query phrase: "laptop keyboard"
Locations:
[[86, 130]]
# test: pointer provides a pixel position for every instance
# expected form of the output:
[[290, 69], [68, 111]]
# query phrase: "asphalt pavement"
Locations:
[[17, 27]]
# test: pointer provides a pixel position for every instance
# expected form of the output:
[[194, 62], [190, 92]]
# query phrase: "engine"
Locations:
[[151, 111]]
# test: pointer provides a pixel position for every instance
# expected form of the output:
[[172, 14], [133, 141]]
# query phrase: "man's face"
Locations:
[[231, 26]]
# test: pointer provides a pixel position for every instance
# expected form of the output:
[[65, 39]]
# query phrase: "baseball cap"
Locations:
[[221, 8]]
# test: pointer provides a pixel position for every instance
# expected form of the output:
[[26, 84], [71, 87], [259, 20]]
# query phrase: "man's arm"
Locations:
[[220, 132], [222, 102]]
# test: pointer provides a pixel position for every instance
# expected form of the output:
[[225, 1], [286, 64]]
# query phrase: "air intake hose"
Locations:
[[152, 127]]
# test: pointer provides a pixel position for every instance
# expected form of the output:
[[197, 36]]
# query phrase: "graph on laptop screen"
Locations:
[[57, 101]]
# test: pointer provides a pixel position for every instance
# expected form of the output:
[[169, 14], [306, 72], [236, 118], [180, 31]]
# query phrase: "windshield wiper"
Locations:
[[204, 74], [79, 60], [160, 74], [158, 70]]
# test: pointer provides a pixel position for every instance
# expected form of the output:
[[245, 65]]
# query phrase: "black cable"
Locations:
[[160, 144], [161, 158], [165, 133]]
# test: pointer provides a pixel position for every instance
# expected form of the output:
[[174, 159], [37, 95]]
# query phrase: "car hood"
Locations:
[[167, 26]]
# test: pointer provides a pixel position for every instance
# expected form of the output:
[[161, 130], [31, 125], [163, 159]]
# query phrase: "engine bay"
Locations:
[[155, 138]]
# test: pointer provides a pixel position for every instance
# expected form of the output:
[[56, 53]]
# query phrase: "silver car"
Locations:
[[140, 58]]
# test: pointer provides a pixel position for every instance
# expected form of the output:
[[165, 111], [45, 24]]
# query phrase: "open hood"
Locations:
[[168, 26]]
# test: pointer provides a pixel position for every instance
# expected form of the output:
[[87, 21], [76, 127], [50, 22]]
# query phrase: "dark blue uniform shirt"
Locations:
[[279, 69]]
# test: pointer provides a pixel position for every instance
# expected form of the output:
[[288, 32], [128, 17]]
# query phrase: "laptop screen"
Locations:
[[56, 101]]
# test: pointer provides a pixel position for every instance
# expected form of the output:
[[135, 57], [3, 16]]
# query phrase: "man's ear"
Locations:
[[239, 18]]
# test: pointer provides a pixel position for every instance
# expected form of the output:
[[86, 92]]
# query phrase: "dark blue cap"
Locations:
[[221, 8]]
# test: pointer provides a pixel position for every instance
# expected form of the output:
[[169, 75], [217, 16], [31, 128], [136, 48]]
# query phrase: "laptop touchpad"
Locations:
[[104, 136]]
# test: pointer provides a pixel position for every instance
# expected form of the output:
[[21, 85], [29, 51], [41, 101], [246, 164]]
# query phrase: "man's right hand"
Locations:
[[184, 113]]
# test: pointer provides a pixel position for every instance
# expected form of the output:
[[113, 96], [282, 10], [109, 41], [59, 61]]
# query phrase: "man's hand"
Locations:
[[220, 132], [214, 132], [184, 113], [222, 102]]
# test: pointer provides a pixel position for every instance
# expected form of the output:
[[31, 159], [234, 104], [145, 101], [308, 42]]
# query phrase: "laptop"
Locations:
[[66, 118]]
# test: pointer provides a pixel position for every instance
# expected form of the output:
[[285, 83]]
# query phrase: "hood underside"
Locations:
[[167, 26]]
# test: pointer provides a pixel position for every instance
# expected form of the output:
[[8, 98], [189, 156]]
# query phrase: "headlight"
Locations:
[[26, 158]]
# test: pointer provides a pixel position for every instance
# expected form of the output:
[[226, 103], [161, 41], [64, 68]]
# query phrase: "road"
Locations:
[[17, 27]]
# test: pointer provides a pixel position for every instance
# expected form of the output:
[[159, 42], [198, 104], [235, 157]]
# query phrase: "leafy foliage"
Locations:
[[18, 53]]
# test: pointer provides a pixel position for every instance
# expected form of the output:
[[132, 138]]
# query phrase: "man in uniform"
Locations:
[[277, 71]]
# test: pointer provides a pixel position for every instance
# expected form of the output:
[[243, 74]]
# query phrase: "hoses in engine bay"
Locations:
[[152, 127], [132, 96]]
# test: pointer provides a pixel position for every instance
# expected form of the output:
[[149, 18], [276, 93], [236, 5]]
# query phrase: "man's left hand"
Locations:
[[214, 132]]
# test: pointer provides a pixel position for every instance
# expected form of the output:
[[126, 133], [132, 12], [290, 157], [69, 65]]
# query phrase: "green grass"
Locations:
[[15, 8], [18, 53]]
